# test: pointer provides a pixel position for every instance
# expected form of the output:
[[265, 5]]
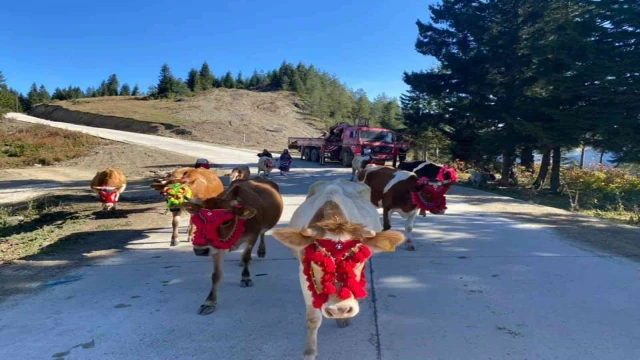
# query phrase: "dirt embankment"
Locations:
[[61, 114], [229, 117]]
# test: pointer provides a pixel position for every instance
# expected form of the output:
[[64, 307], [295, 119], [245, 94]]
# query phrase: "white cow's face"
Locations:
[[333, 254]]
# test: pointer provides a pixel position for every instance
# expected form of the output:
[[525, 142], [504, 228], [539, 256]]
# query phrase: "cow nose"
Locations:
[[201, 251], [339, 311]]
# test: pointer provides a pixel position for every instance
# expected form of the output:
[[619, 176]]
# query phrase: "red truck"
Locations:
[[343, 141]]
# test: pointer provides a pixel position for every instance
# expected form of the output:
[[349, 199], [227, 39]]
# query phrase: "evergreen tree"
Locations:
[[45, 98], [136, 90], [125, 90], [228, 82], [166, 81], [112, 85], [33, 95], [3, 82], [240, 83], [59, 94], [207, 79], [194, 81], [362, 107]]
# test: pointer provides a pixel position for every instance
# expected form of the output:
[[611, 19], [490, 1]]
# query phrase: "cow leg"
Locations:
[[246, 281], [353, 174], [408, 227], [314, 320], [262, 247], [176, 224], [386, 212], [211, 302], [191, 231]]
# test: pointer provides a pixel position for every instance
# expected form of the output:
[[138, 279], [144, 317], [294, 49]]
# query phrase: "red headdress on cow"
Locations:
[[108, 195], [338, 261], [208, 223], [432, 196]]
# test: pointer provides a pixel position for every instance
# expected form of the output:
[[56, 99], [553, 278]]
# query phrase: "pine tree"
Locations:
[[136, 90], [3, 82], [102, 90], [33, 95], [45, 98], [125, 90], [240, 83], [228, 82], [194, 81], [112, 85], [207, 79], [166, 81], [58, 94]]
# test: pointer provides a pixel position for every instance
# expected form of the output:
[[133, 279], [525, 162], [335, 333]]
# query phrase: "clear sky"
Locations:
[[366, 43]]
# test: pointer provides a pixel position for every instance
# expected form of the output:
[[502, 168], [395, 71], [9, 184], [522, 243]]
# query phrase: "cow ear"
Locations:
[[292, 238], [384, 241], [245, 212]]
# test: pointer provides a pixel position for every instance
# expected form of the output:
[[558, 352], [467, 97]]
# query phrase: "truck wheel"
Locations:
[[306, 153], [315, 155], [347, 158]]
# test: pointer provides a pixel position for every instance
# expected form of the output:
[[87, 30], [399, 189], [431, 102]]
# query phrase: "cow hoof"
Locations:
[[313, 356], [343, 323], [175, 242], [240, 263], [410, 247], [262, 254], [386, 227], [206, 309], [246, 283]]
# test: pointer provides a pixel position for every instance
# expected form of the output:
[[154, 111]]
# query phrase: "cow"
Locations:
[[241, 214], [265, 165], [404, 192], [333, 233], [358, 163], [109, 184], [240, 172], [480, 178], [198, 183], [435, 175]]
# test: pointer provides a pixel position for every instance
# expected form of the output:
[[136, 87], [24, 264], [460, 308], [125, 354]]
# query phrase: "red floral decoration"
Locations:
[[337, 260], [108, 197], [208, 222]]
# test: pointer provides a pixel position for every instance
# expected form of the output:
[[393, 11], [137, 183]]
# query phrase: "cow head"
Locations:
[[236, 174], [333, 254], [109, 196], [219, 221]]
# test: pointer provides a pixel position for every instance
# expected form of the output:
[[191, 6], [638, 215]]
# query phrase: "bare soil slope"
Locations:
[[230, 117]]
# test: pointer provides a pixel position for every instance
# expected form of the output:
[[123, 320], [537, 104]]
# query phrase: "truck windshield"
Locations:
[[376, 136]]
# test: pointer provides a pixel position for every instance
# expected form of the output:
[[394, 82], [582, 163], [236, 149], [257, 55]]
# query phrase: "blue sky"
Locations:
[[367, 44]]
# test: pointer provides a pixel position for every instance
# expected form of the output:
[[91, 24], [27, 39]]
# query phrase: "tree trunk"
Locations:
[[507, 162], [555, 170], [526, 158], [582, 157], [544, 169], [601, 156]]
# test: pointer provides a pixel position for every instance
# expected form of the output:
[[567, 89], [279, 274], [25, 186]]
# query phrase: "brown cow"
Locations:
[[241, 214], [109, 184], [202, 183], [403, 192], [240, 172], [333, 233]]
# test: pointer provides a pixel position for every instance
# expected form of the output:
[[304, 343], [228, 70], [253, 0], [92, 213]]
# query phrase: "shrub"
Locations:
[[603, 188]]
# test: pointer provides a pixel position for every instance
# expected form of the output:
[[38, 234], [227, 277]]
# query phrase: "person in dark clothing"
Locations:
[[285, 162], [266, 153]]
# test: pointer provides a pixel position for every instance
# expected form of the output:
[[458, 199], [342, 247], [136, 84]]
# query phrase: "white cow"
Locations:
[[265, 166], [336, 224], [356, 165]]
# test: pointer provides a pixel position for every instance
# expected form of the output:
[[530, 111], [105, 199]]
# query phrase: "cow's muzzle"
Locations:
[[201, 250]]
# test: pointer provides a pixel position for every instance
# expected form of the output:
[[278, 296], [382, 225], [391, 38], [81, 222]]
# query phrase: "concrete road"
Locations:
[[478, 287]]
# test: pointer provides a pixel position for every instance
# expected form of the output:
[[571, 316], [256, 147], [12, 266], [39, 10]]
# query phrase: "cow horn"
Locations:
[[194, 200]]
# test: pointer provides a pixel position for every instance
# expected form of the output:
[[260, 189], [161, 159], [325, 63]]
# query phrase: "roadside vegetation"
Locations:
[[27, 145]]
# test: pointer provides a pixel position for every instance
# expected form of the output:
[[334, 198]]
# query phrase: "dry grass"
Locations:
[[25, 144], [230, 117]]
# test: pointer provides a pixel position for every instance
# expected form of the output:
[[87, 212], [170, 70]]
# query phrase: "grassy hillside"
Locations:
[[229, 117]]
